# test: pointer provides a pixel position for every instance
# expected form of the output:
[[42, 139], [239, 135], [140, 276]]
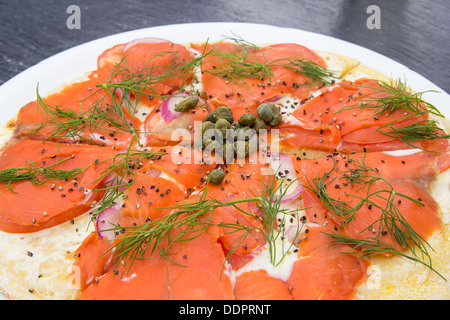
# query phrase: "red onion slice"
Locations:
[[167, 107], [283, 168], [143, 40], [106, 221], [113, 180], [293, 232], [152, 172], [275, 98]]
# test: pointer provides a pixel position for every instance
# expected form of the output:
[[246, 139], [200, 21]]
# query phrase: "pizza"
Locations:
[[226, 170]]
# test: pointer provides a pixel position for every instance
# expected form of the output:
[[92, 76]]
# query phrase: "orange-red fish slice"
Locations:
[[34, 207], [146, 197], [324, 271], [195, 273], [259, 285], [387, 196], [333, 121], [245, 93]]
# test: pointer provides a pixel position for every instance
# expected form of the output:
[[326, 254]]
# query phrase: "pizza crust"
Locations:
[[338, 64]]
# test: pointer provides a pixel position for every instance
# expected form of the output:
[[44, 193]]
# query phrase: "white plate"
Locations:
[[73, 63]]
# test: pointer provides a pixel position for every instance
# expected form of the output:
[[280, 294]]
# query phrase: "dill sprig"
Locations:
[[275, 216], [37, 175], [400, 96], [142, 81], [419, 131], [126, 87], [319, 75], [388, 97], [236, 66], [186, 221], [74, 124]]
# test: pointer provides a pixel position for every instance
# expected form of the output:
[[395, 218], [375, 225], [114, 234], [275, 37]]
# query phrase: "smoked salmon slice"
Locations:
[[188, 166], [323, 271], [165, 65], [184, 129], [33, 207], [79, 113], [144, 198], [344, 117], [93, 259], [194, 271], [367, 202], [259, 285], [101, 110], [251, 86]]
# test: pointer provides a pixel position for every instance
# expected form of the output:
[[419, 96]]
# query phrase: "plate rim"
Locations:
[[51, 79]]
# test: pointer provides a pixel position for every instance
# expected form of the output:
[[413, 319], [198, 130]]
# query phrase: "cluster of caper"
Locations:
[[220, 132]]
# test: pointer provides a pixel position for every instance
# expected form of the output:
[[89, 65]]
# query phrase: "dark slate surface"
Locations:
[[415, 33]]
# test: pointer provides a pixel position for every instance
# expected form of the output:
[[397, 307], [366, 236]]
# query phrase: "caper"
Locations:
[[186, 104], [206, 142], [264, 112], [228, 152], [224, 113], [206, 125], [253, 144], [269, 113], [276, 119], [241, 149], [212, 134], [214, 145], [236, 125], [223, 109], [247, 119], [222, 125], [243, 134], [216, 176], [259, 125], [211, 118]]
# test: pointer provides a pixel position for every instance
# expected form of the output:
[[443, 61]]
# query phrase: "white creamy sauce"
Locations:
[[262, 261], [402, 153], [39, 261], [279, 260], [5, 136], [440, 190], [197, 85]]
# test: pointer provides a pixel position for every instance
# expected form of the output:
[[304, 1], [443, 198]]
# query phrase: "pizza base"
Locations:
[[35, 266]]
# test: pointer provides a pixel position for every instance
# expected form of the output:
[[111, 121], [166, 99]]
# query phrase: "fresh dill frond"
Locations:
[[400, 96], [37, 175], [186, 221], [391, 222], [237, 66], [418, 131], [275, 216], [387, 97]]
